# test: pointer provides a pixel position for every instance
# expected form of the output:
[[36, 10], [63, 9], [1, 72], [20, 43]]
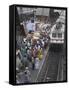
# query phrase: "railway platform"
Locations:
[[35, 74]]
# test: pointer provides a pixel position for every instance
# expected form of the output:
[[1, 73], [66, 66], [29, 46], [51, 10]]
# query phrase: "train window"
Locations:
[[53, 34], [59, 35]]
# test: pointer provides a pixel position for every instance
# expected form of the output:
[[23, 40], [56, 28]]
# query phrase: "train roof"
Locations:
[[53, 29]]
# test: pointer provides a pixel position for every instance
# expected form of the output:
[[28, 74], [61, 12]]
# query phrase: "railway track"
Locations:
[[52, 69]]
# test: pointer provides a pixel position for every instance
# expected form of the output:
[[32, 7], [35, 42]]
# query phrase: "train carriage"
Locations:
[[57, 34], [58, 30]]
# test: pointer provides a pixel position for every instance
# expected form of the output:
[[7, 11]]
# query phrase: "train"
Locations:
[[57, 34], [57, 31]]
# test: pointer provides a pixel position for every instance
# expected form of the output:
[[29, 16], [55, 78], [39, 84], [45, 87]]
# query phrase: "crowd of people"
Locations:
[[29, 51]]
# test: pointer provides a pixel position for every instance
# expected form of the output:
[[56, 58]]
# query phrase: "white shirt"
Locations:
[[30, 26]]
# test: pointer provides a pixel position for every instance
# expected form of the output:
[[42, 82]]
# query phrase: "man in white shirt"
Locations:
[[30, 26]]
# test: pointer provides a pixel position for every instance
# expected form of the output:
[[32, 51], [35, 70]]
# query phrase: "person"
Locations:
[[29, 54], [30, 26], [37, 63], [18, 60], [33, 64], [39, 55], [27, 75]]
